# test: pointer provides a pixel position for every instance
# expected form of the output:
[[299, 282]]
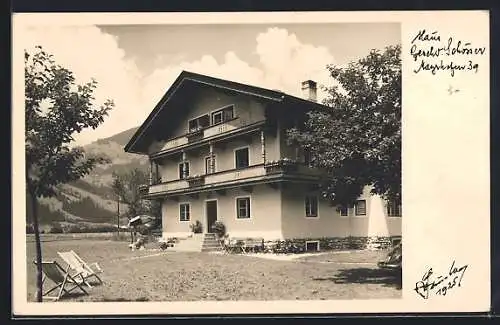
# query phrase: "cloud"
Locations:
[[287, 61], [284, 61], [90, 53], [232, 68]]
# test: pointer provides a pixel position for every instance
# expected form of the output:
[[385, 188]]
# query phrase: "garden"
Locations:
[[152, 274]]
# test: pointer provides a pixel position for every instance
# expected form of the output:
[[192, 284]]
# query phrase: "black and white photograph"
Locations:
[[232, 162]]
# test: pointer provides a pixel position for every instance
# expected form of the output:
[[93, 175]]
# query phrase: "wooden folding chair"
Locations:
[[78, 265], [61, 278]]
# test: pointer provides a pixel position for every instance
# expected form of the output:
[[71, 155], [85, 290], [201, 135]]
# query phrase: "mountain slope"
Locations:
[[91, 199]]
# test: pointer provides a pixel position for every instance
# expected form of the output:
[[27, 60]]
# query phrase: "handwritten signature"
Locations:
[[441, 284]]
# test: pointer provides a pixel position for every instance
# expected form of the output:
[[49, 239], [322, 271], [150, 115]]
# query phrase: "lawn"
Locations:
[[153, 275]]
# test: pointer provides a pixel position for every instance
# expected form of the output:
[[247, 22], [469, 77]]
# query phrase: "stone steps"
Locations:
[[197, 243], [210, 243]]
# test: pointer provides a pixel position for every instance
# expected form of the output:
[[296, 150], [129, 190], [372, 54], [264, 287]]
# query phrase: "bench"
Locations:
[[244, 245]]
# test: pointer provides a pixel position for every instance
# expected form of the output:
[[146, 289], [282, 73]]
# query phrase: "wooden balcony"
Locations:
[[284, 166], [231, 127], [261, 173], [206, 181]]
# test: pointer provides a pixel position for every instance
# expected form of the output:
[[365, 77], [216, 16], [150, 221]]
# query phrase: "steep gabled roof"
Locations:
[[263, 93]]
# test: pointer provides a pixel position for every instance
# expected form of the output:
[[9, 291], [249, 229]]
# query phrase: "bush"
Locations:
[[197, 227], [219, 229], [55, 229]]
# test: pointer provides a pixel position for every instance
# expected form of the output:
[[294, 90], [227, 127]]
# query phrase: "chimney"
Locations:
[[309, 90]]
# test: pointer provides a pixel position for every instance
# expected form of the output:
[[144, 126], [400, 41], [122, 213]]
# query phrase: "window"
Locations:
[[243, 208], [223, 115], [241, 158], [311, 204], [344, 211], [217, 117], [184, 213], [393, 209], [312, 246], [183, 169], [199, 123], [360, 207], [210, 165]]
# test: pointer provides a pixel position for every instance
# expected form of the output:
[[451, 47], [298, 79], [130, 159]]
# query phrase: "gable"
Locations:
[[192, 94], [204, 102]]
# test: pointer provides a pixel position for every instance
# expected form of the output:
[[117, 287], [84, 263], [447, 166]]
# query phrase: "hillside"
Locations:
[[91, 199]]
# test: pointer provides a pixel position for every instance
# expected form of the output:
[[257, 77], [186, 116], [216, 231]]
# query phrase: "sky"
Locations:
[[134, 65]]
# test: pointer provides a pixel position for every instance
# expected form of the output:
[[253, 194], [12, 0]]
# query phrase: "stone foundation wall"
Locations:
[[298, 245]]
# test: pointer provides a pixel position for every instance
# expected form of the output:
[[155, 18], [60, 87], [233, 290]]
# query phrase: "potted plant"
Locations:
[[196, 227], [219, 229]]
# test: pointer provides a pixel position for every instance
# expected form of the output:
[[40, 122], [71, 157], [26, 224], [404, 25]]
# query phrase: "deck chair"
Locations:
[[61, 278], [82, 269]]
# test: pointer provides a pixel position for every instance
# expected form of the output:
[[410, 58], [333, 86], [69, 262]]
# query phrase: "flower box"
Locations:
[[196, 180], [281, 166], [195, 135], [143, 189]]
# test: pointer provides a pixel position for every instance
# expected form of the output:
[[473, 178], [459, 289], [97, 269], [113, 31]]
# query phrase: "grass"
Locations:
[[153, 275]]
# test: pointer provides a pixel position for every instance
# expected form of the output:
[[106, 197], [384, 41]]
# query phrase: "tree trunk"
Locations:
[[118, 219], [34, 208]]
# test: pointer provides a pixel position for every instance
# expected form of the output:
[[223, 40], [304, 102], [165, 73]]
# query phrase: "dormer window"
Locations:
[[199, 123], [222, 115]]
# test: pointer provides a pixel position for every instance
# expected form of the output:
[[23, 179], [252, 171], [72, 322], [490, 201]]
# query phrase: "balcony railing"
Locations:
[[232, 125], [235, 176], [282, 166], [225, 177]]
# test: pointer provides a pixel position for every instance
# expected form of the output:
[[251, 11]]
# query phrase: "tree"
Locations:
[[55, 110], [357, 140], [126, 187]]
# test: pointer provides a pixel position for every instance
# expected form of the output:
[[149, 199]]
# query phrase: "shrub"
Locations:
[[55, 229], [197, 227], [219, 229], [288, 246]]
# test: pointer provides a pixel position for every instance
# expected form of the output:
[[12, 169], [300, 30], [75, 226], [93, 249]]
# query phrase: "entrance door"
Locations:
[[211, 214]]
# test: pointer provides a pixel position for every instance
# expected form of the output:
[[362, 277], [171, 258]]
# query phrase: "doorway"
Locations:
[[211, 212]]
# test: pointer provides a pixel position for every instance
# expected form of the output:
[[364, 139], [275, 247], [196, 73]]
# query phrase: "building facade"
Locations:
[[218, 152]]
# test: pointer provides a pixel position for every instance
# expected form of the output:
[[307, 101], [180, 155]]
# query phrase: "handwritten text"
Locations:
[[434, 55], [440, 284]]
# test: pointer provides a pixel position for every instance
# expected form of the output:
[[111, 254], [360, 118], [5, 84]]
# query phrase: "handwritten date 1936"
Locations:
[[441, 284]]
